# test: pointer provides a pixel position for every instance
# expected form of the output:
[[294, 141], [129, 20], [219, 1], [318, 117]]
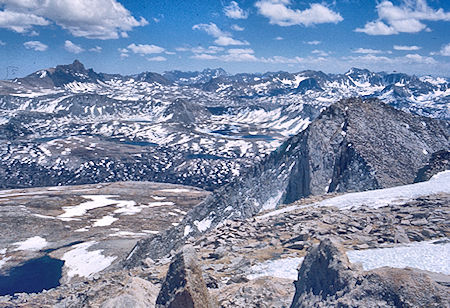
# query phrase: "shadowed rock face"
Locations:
[[439, 161], [183, 286], [354, 145], [327, 279]]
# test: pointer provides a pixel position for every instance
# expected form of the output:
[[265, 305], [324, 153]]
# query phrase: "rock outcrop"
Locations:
[[325, 272], [439, 161], [184, 286], [327, 279], [354, 145]]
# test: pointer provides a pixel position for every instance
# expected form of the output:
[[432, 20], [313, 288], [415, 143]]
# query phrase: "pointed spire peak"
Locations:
[[77, 65]]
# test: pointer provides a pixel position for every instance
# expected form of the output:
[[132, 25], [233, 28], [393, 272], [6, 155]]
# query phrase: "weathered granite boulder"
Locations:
[[327, 279], [184, 286]]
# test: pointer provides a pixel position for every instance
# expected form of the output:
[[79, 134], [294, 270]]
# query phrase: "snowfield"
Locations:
[[439, 183], [430, 256]]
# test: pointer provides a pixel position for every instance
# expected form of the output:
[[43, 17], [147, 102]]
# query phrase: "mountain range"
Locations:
[[195, 128]]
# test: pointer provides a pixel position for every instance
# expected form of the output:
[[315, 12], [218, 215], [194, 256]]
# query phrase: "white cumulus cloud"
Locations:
[[406, 17], [157, 59], [234, 11], [279, 13], [367, 51], [96, 49], [94, 19], [35, 45], [222, 38], [445, 51], [237, 28], [320, 53], [204, 56], [73, 48], [144, 49], [408, 48], [20, 22], [420, 59]]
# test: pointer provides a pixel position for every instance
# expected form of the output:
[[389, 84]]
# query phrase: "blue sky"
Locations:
[[118, 36]]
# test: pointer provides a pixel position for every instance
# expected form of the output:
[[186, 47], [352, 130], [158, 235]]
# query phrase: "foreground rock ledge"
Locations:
[[327, 279], [184, 286]]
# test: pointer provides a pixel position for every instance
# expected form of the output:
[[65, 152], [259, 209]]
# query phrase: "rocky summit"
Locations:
[[254, 262]]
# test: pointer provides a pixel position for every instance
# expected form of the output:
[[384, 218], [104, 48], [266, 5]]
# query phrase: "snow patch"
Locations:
[[97, 201], [34, 243], [203, 225], [427, 255], [187, 230], [84, 263], [272, 202], [3, 261], [104, 221], [158, 198], [176, 190], [440, 183], [286, 268]]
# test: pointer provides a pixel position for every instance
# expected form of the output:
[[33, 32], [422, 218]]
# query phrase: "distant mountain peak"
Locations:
[[77, 65], [355, 70]]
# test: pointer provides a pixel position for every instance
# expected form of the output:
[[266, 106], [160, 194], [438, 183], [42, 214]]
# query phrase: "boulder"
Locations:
[[184, 286], [325, 272], [327, 279]]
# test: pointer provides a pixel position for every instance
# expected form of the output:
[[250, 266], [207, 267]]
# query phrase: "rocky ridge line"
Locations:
[[354, 145]]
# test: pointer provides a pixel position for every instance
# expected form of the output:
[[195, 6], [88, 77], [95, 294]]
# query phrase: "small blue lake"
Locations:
[[264, 137], [203, 156], [33, 276], [140, 143], [224, 132]]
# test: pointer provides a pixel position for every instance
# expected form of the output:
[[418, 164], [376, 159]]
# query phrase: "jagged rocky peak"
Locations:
[[75, 67], [358, 145], [61, 75], [364, 76], [354, 145], [439, 161]]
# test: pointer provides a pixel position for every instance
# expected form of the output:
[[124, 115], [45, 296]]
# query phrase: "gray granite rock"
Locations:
[[184, 286], [327, 279]]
